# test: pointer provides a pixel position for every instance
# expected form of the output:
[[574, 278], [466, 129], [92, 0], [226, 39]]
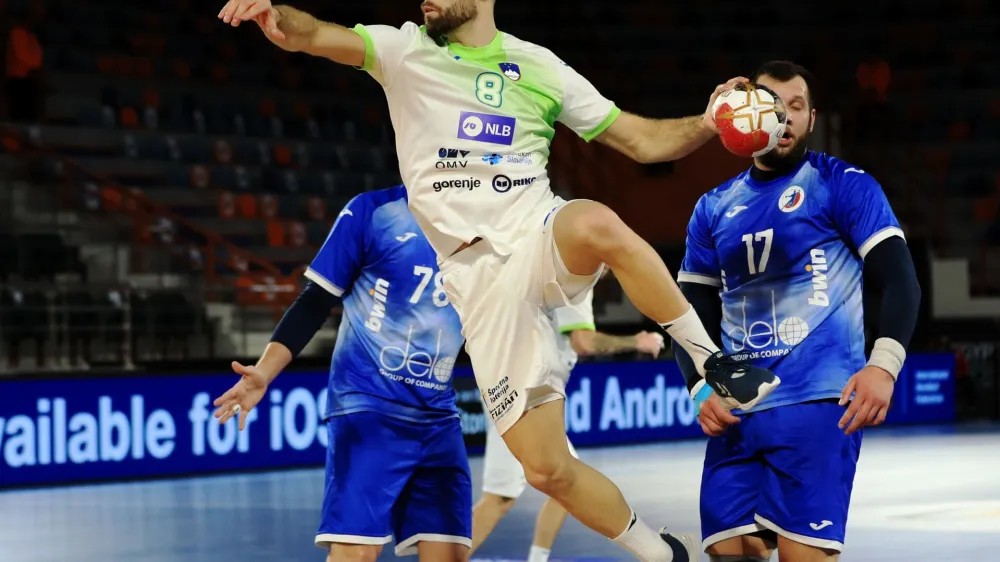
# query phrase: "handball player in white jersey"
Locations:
[[510, 251]]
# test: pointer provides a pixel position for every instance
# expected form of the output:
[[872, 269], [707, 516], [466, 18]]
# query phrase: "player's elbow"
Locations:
[[582, 342]]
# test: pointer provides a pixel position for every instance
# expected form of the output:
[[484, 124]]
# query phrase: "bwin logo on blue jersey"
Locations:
[[381, 295]]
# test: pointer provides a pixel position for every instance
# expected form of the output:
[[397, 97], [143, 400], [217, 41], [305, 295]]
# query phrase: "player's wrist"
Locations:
[[700, 392], [888, 355]]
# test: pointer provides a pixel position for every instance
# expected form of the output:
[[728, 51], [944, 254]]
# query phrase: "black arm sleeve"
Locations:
[[707, 303], [892, 277], [304, 318]]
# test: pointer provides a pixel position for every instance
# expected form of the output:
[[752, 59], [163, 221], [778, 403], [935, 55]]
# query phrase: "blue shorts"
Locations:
[[388, 478], [787, 470]]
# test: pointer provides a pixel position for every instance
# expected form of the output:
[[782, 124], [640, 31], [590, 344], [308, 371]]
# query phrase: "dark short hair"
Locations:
[[783, 71]]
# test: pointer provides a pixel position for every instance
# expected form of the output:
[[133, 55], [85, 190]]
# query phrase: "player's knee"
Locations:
[[550, 474], [498, 504], [602, 230]]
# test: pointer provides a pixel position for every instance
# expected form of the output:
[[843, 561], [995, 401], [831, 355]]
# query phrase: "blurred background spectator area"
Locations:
[[165, 178]]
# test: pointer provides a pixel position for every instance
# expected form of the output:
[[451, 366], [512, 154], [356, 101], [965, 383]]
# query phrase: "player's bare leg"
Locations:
[[791, 551], [747, 548], [538, 441], [428, 551], [588, 234], [489, 510], [550, 520], [353, 552]]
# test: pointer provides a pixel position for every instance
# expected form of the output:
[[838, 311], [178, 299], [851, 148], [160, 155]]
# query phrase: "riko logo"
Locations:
[[483, 127], [503, 184], [451, 159], [467, 184], [377, 314]]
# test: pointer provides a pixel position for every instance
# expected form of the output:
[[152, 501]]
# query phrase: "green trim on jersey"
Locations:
[[608, 121], [489, 54], [369, 63], [582, 326]]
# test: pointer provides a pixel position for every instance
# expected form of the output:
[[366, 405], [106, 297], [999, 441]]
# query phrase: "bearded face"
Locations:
[[441, 17]]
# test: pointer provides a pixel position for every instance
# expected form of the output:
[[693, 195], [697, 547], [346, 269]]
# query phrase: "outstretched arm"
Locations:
[[297, 31], [656, 140], [660, 140], [590, 342]]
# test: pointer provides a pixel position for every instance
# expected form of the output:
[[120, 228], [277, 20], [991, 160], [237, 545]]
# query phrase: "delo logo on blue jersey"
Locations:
[[483, 127]]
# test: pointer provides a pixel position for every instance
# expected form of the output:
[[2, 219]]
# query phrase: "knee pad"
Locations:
[[736, 558]]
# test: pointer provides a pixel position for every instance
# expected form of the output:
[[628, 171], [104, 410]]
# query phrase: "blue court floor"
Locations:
[[919, 495]]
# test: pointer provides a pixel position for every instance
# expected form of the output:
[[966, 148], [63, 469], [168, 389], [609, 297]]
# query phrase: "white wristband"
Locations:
[[888, 354]]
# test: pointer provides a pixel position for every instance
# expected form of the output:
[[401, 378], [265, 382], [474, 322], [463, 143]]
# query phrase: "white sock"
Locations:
[[644, 542], [690, 333], [538, 554]]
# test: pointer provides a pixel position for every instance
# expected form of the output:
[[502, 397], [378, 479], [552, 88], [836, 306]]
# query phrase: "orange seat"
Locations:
[[129, 118], [985, 210], [275, 234], [246, 204]]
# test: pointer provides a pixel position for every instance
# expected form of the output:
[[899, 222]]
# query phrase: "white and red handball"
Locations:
[[751, 119]]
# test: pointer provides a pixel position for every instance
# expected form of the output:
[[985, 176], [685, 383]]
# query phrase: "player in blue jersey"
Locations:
[[774, 261], [396, 463]]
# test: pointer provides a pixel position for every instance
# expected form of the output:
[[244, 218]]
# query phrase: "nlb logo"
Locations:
[[377, 313], [818, 267], [483, 127]]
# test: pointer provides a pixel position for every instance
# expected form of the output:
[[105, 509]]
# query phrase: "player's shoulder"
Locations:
[[710, 202], [365, 204], [517, 47], [834, 171]]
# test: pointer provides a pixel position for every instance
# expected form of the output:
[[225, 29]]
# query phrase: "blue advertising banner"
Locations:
[[83, 429]]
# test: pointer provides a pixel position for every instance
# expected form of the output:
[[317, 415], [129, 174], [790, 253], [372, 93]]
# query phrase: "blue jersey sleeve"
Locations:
[[862, 212], [339, 261], [701, 262]]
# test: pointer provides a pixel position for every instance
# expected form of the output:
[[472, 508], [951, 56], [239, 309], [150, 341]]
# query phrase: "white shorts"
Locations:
[[504, 304], [502, 475]]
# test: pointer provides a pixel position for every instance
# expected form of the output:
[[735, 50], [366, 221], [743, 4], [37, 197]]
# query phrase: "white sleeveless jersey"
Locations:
[[473, 128]]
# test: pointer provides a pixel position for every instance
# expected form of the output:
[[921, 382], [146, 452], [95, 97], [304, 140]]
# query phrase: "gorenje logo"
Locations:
[[503, 184], [469, 184], [451, 159], [381, 294]]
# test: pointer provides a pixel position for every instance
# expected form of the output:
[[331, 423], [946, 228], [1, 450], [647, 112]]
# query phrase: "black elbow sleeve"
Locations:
[[304, 318]]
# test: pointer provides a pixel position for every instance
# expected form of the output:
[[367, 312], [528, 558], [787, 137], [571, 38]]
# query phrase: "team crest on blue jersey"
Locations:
[[511, 70], [791, 199]]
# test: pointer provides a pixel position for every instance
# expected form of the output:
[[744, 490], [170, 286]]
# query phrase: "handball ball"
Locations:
[[751, 119]]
